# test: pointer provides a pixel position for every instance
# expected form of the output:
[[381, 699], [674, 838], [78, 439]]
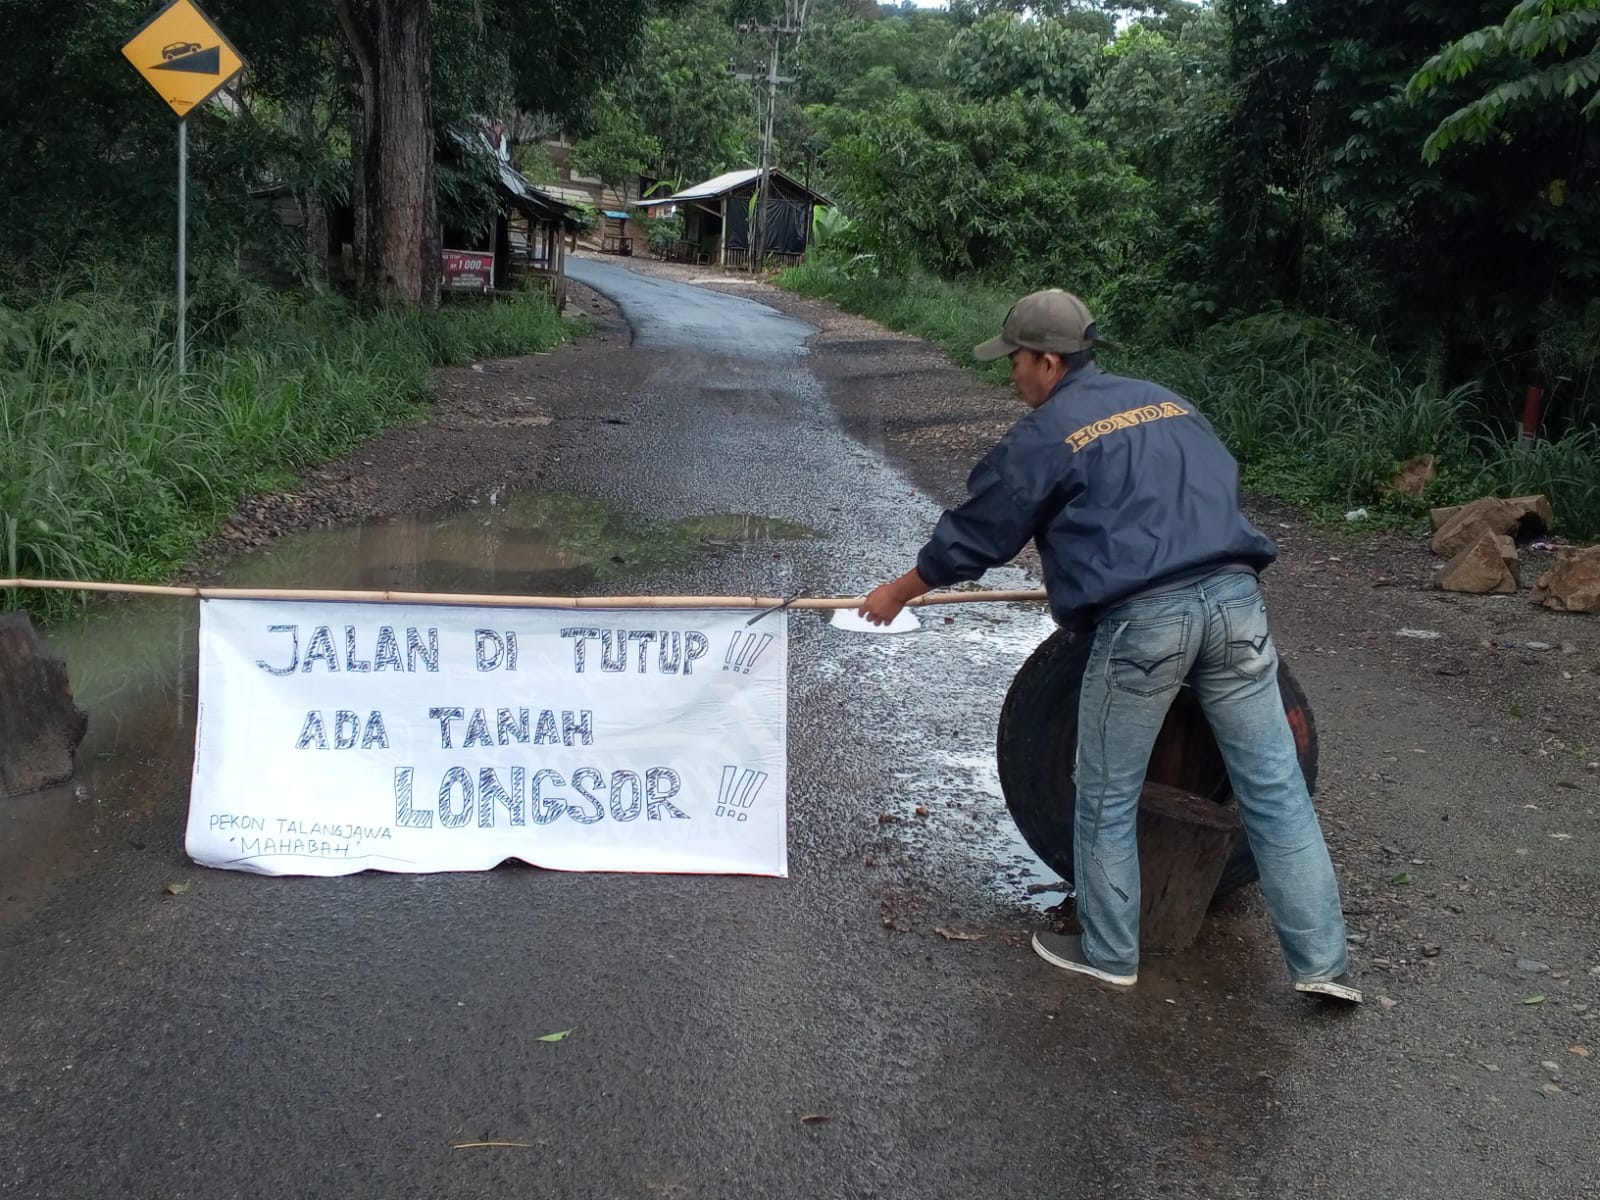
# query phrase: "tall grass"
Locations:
[[1314, 415], [957, 317], [111, 468]]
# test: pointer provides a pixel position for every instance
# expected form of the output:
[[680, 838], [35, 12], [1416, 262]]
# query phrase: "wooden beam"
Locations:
[[504, 600]]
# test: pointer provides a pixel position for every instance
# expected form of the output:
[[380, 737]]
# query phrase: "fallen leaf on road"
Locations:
[[556, 1037], [957, 935], [1402, 878], [922, 810], [1534, 1000], [176, 889], [1580, 1051], [481, 1145], [815, 1118]]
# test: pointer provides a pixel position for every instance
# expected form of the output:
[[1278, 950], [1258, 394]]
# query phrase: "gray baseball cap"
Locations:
[[1051, 321]]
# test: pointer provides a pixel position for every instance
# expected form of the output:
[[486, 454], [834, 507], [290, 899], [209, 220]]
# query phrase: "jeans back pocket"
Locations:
[[1249, 652], [1150, 655]]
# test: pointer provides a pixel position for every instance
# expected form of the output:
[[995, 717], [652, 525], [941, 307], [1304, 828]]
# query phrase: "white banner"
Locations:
[[342, 737]]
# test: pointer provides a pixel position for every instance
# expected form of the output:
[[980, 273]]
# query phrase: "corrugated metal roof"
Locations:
[[723, 184], [713, 187], [515, 183]]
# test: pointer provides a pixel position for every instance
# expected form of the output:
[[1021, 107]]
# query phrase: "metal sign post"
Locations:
[[181, 54], [183, 235]]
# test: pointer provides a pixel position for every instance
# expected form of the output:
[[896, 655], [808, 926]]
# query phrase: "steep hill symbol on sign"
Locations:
[[183, 56], [194, 60]]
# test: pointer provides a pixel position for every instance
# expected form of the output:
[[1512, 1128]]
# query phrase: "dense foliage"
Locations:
[[1424, 172], [1421, 173], [1360, 229], [1417, 179], [112, 467], [90, 149], [1014, 188]]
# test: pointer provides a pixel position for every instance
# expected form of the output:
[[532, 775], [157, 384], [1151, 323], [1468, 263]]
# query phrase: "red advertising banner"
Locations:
[[470, 269]]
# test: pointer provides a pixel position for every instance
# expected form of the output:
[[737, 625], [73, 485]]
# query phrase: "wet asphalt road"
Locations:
[[261, 1037]]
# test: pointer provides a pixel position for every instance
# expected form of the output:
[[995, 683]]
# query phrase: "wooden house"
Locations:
[[528, 239], [717, 216]]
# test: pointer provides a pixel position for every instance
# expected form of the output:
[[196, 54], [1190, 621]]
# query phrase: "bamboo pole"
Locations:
[[504, 601]]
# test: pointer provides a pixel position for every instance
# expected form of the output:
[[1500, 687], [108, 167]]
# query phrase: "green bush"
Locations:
[[1010, 189], [1316, 414], [661, 232]]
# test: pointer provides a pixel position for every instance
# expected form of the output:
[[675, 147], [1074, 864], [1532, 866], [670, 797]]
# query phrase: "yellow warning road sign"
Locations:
[[183, 56]]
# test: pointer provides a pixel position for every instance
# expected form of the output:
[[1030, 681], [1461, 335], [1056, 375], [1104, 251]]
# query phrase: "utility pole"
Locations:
[[791, 24]]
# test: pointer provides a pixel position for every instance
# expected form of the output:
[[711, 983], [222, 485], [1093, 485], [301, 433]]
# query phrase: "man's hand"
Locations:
[[884, 602]]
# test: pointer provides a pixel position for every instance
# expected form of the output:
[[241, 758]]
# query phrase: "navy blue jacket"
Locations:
[[1125, 487]]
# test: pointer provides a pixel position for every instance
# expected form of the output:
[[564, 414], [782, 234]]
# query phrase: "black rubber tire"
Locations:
[[1037, 742]]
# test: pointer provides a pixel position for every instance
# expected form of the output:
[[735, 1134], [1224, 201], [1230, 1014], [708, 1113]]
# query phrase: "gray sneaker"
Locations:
[[1341, 987], [1065, 950]]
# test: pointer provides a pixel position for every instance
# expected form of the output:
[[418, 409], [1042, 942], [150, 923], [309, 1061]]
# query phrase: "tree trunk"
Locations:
[[314, 267], [397, 228]]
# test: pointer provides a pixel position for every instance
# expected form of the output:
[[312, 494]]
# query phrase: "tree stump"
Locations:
[[1184, 843], [40, 726]]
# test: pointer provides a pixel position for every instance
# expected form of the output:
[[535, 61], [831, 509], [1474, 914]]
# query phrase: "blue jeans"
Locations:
[[1213, 634]]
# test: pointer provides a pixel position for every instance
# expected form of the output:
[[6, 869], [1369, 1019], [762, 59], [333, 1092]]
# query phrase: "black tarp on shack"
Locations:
[[717, 216]]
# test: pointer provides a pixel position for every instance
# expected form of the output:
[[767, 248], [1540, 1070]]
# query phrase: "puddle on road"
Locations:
[[1016, 867], [969, 838], [533, 543], [133, 663], [971, 824], [123, 656]]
